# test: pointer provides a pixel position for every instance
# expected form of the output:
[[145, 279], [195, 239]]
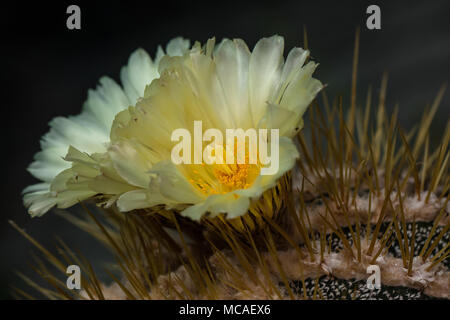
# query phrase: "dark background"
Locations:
[[47, 69]]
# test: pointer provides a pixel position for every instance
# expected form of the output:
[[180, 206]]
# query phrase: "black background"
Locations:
[[47, 69]]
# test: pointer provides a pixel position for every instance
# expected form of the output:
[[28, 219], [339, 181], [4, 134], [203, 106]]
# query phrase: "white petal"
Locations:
[[265, 72], [232, 61], [36, 187], [173, 185], [286, 121], [301, 90], [139, 73], [47, 164], [234, 206], [105, 102], [69, 198], [132, 162], [177, 46], [40, 203], [79, 131], [131, 200], [294, 62]]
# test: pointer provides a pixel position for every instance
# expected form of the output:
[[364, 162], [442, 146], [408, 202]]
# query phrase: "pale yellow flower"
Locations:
[[226, 87]]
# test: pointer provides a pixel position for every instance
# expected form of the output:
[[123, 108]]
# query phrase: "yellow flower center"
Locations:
[[233, 176], [222, 178]]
